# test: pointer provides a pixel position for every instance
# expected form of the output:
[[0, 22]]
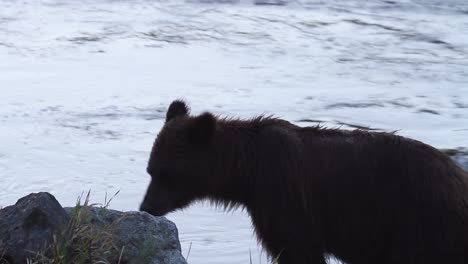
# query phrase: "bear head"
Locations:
[[180, 163]]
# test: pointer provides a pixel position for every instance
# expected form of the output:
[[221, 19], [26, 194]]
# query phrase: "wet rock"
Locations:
[[28, 226]]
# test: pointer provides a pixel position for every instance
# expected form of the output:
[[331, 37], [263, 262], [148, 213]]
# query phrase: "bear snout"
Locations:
[[153, 210], [149, 210], [145, 208]]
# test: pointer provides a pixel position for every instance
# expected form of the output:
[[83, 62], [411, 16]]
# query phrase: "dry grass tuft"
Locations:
[[80, 242]]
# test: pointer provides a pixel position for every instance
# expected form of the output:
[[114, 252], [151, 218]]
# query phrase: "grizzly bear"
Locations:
[[363, 197]]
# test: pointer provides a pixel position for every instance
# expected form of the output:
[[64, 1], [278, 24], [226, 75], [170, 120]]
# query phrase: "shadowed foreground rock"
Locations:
[[28, 227]]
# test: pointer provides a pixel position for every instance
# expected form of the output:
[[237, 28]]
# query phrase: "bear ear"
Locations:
[[203, 128], [176, 108]]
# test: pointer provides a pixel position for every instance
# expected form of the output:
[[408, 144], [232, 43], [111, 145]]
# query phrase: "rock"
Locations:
[[28, 226], [145, 239], [148, 239]]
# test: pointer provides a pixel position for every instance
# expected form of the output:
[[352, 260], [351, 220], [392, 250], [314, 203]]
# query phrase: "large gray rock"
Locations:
[[28, 226], [145, 239]]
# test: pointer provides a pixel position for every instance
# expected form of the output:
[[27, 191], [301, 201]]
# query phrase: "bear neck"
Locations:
[[251, 155], [235, 149]]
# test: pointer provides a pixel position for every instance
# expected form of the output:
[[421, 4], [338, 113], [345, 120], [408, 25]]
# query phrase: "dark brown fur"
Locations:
[[364, 197]]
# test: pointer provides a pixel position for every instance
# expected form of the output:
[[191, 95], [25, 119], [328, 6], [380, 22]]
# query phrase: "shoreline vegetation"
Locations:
[[88, 233]]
